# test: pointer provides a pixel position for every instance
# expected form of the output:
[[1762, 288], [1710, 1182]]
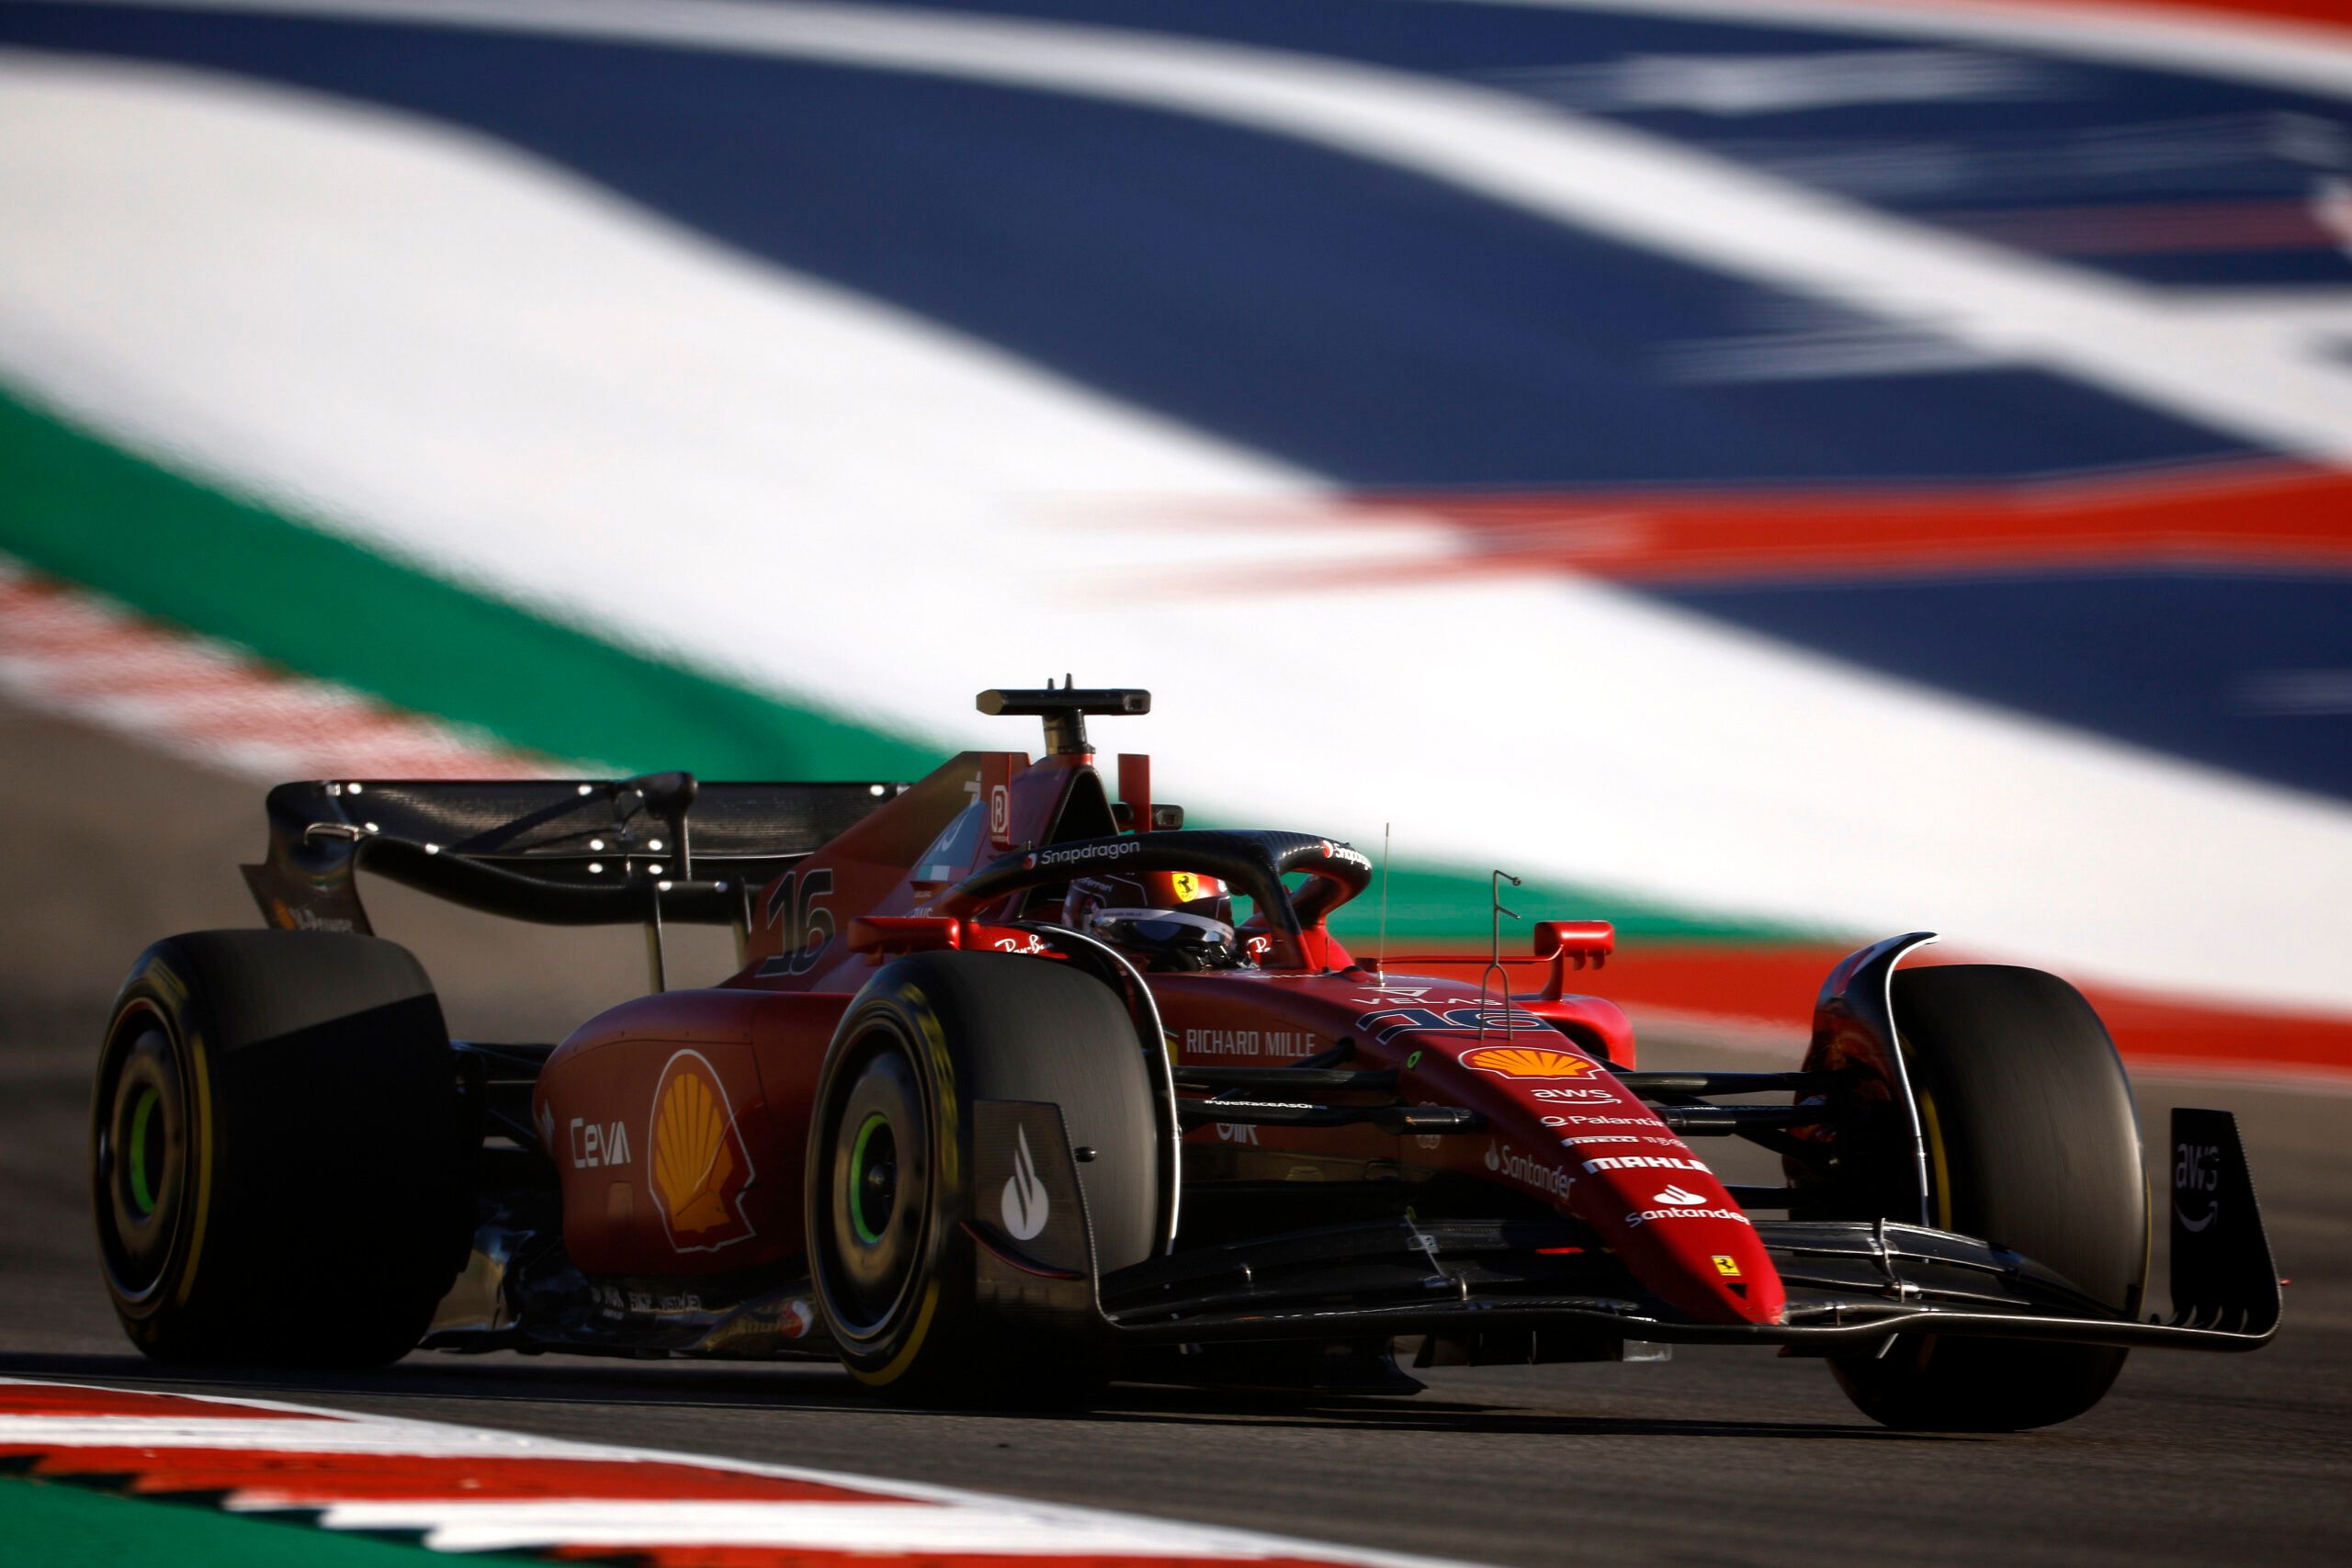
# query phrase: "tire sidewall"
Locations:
[[899, 1016], [2033, 1144], [325, 1194], [986, 1027], [160, 996]]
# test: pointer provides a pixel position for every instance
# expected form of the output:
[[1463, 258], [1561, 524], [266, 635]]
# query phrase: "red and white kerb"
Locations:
[[465, 1489]]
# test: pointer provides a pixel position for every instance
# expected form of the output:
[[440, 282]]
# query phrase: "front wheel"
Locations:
[[2033, 1145], [891, 1160]]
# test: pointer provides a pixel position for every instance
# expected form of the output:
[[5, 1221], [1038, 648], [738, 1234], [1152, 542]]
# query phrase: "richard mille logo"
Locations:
[[1025, 1203]]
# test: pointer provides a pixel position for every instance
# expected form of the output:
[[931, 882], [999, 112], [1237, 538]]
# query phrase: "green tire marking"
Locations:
[[874, 1123], [142, 1191]]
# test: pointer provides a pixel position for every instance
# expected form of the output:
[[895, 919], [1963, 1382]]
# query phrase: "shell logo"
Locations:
[[700, 1166], [1526, 1062]]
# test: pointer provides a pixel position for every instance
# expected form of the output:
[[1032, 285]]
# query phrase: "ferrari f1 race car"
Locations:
[[1021, 1086]]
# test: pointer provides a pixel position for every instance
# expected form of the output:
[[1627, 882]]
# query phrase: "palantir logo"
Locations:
[[1027, 1205]]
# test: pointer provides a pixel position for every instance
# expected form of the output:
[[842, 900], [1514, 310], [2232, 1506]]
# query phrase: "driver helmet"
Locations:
[[1175, 920]]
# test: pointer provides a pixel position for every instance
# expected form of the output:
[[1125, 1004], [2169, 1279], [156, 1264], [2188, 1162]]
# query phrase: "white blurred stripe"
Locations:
[[265, 1435], [878, 1528], [2274, 51], [2243, 374]]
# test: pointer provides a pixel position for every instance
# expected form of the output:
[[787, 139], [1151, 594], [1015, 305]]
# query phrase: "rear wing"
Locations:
[[557, 851]]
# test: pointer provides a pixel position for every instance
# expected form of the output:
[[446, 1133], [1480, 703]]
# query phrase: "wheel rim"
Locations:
[[141, 1152], [146, 1156], [877, 1189], [873, 1180]]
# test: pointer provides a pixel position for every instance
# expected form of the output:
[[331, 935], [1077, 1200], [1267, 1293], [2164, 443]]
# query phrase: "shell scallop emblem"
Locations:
[[1526, 1062], [700, 1166]]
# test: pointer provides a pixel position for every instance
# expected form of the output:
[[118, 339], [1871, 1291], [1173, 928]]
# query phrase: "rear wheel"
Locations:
[[275, 1155], [891, 1162], [2033, 1144]]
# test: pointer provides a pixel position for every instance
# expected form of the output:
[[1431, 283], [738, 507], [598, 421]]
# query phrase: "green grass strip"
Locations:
[[59, 1525], [76, 507]]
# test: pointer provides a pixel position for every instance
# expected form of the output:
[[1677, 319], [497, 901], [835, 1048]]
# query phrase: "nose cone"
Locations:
[[1682, 1236], [1644, 1192]]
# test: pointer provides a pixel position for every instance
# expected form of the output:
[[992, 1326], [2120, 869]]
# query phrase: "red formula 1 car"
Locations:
[[1021, 1086]]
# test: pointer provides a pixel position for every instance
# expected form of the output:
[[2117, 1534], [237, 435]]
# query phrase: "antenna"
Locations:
[[1495, 955], [1387, 831]]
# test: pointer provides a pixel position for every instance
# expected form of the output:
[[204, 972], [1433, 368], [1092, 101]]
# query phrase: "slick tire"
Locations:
[[2033, 1144], [891, 1156], [277, 1158]]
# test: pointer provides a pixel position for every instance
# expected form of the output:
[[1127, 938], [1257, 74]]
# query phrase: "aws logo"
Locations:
[[700, 1166]]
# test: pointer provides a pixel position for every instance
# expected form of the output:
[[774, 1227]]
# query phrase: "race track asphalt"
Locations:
[[1719, 1456]]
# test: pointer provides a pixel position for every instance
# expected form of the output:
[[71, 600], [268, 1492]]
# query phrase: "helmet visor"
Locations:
[[1163, 929]]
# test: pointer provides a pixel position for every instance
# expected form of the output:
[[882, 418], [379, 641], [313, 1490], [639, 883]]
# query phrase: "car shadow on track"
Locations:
[[813, 1387]]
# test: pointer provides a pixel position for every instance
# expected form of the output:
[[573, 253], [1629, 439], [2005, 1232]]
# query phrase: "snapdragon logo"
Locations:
[[1507, 1161], [1084, 852], [1347, 854]]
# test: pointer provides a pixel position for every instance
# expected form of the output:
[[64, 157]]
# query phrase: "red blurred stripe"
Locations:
[[2150, 228], [1775, 984], [50, 1399], [800, 1557], [2273, 514], [272, 1479]]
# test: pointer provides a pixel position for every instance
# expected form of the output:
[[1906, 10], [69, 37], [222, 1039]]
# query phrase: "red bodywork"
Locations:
[[679, 1119]]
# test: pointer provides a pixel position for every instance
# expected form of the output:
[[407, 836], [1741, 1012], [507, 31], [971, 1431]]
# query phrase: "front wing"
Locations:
[[1852, 1284]]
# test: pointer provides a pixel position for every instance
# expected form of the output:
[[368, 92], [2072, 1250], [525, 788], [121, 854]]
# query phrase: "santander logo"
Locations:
[[1676, 1196]]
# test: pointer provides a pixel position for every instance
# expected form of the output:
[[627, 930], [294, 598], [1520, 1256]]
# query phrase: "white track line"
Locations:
[[1010, 1530]]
